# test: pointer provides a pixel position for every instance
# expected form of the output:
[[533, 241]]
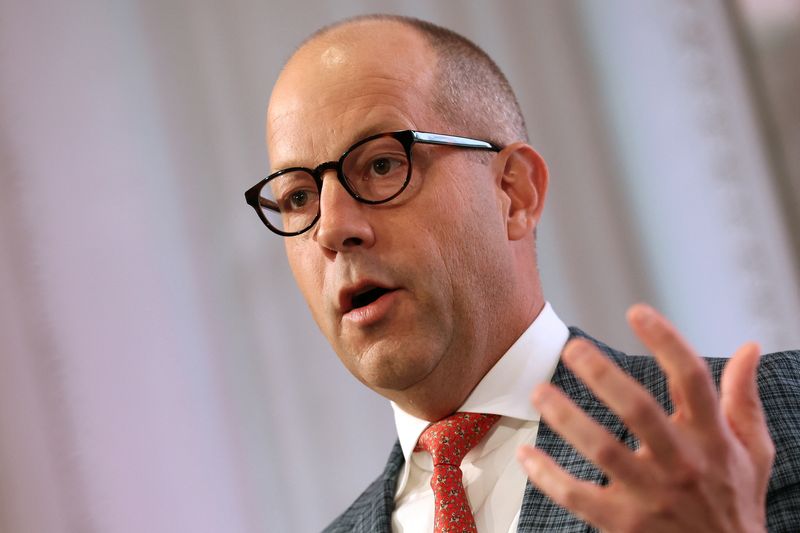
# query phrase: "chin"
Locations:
[[388, 366]]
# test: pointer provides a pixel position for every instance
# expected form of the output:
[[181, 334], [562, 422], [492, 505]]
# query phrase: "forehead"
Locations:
[[346, 85]]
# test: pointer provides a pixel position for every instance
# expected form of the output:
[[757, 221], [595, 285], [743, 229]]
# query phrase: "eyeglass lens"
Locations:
[[374, 171]]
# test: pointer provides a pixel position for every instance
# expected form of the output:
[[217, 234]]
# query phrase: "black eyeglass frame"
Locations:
[[407, 139]]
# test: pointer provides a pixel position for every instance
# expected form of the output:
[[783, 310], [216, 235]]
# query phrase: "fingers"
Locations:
[[694, 468], [689, 376], [582, 497], [587, 436], [741, 405], [739, 391], [623, 395]]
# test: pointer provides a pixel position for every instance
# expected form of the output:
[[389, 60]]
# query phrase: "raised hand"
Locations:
[[703, 468]]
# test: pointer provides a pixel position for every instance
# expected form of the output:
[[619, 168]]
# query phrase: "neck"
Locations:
[[447, 388]]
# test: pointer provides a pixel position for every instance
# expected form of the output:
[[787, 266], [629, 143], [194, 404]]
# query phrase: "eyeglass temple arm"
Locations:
[[454, 140], [268, 204]]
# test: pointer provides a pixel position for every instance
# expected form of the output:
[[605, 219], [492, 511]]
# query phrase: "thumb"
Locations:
[[741, 405]]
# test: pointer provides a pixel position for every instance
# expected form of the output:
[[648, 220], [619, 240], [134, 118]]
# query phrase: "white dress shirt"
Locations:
[[493, 479]]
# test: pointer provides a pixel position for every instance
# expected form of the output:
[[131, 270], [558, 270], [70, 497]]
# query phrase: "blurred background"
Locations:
[[159, 371]]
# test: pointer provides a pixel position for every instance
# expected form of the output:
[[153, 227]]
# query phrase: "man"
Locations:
[[416, 254]]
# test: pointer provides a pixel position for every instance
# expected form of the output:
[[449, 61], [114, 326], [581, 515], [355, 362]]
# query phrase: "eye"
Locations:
[[376, 169], [382, 166], [385, 166], [293, 192], [298, 200]]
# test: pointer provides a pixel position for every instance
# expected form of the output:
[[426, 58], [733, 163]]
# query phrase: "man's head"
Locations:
[[453, 256]]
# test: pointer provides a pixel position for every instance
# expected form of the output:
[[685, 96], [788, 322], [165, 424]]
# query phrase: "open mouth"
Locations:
[[367, 296]]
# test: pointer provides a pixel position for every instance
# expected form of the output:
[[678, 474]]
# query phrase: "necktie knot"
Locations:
[[451, 438], [448, 441]]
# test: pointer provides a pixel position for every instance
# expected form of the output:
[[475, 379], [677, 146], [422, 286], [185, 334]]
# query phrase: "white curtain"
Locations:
[[158, 370]]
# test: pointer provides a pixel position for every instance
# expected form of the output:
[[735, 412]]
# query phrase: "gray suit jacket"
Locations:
[[779, 386]]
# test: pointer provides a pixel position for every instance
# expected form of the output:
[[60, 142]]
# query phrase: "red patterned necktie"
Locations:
[[448, 441]]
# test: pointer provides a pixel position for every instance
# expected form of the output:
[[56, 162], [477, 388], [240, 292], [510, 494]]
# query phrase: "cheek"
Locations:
[[465, 215], [307, 271], [471, 236]]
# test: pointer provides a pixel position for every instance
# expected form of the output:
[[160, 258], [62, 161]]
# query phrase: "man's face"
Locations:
[[436, 254]]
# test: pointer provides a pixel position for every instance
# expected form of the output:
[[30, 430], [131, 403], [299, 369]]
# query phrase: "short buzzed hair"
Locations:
[[472, 94]]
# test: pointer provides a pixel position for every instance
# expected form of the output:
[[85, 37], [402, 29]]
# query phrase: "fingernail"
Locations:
[[531, 466], [646, 316]]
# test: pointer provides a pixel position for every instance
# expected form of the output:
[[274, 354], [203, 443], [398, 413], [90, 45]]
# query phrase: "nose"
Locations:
[[344, 223]]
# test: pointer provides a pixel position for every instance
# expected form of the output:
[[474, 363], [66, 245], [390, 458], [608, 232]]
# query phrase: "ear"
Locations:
[[522, 180]]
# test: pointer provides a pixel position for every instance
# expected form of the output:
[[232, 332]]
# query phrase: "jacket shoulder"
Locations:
[[779, 388], [778, 383]]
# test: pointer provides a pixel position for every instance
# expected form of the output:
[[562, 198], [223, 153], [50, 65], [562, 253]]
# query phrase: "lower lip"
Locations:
[[372, 313]]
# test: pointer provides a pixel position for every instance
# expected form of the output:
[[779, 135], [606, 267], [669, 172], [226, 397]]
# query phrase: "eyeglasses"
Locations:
[[373, 171]]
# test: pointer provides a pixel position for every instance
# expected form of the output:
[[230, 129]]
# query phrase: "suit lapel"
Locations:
[[376, 516], [538, 512]]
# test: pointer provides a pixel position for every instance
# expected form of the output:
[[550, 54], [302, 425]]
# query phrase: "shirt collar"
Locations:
[[504, 390]]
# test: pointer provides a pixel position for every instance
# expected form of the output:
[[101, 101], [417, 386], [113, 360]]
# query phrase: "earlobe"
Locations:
[[523, 179]]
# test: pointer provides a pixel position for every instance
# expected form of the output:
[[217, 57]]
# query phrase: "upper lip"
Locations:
[[347, 293]]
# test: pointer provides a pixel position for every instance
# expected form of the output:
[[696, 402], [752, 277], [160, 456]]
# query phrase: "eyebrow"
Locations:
[[361, 134], [375, 130]]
